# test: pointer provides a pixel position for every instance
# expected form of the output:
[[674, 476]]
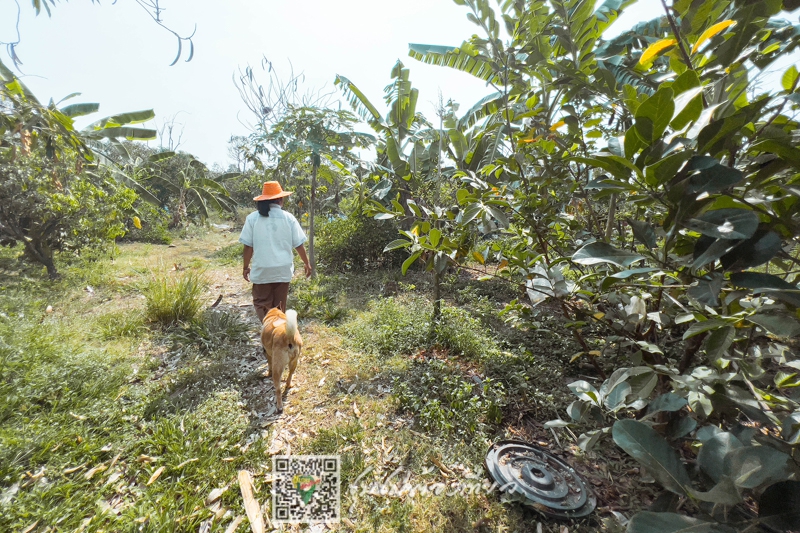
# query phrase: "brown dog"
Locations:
[[282, 342]]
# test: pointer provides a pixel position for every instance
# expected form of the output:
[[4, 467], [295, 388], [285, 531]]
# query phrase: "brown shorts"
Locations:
[[269, 295]]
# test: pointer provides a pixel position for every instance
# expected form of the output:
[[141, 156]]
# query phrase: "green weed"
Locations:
[[174, 297], [120, 324], [391, 326], [229, 255]]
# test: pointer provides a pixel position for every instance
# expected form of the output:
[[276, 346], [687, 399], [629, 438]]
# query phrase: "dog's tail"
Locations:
[[291, 323]]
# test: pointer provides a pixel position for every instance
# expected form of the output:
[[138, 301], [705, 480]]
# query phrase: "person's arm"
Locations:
[[301, 251], [247, 255]]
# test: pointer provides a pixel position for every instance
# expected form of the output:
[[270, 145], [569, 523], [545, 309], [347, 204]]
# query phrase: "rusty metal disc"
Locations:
[[541, 480]]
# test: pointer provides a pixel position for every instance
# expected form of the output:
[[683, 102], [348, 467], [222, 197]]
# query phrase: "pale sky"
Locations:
[[116, 56]]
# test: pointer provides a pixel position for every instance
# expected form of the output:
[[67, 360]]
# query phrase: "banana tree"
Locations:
[[184, 184]]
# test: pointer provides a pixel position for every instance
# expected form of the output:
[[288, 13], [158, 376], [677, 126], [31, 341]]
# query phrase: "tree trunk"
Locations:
[[612, 212], [311, 207], [437, 295], [44, 255]]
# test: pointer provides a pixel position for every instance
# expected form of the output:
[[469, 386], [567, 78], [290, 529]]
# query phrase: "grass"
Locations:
[[99, 397]]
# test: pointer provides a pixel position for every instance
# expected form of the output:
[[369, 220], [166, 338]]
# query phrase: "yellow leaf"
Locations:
[[576, 357], [598, 316], [137, 222], [415, 231], [712, 31], [478, 257], [155, 475], [655, 49], [595, 353], [557, 125], [503, 264]]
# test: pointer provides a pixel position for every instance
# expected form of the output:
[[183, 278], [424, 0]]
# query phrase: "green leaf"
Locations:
[[665, 169], [779, 506], [709, 254], [706, 291], [397, 244], [616, 398], [768, 284], [383, 216], [668, 402], [464, 58], [435, 236], [625, 274], [643, 232], [719, 340], [789, 79], [469, 214], [585, 391], [790, 429], [131, 134], [654, 115], [600, 252], [134, 117], [79, 110], [161, 156], [701, 327], [783, 326], [710, 176], [756, 466], [758, 249], [725, 224], [649, 522], [408, 262], [641, 442], [712, 454]]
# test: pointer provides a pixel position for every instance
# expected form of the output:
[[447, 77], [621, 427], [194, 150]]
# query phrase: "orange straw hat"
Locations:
[[272, 190]]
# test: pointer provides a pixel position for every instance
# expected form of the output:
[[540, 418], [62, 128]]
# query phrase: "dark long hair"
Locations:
[[263, 206]]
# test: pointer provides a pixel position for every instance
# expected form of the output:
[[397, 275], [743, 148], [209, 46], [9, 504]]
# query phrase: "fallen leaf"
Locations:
[[321, 382], [215, 494], [145, 459], [106, 448], [76, 417], [30, 527], [235, 524], [90, 474], [73, 469], [155, 475], [355, 410], [187, 462], [113, 477], [251, 506], [114, 460], [351, 388]]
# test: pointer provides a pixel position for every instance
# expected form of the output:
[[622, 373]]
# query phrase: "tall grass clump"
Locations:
[[174, 297]]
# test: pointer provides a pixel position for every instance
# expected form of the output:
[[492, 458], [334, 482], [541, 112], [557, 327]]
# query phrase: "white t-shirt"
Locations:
[[273, 240]]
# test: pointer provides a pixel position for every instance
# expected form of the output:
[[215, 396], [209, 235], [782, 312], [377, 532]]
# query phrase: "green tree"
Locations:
[[54, 193]]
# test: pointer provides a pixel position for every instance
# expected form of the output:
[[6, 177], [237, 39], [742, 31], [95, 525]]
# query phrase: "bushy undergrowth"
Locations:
[[212, 329], [356, 242], [174, 297], [230, 254], [391, 326], [155, 223], [117, 324], [443, 399]]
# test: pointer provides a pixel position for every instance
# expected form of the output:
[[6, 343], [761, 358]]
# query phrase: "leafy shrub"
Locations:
[[445, 400], [155, 223], [356, 242], [174, 297], [458, 331], [391, 327]]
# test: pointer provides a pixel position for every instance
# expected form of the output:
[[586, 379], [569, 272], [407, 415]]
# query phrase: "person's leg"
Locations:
[[263, 296], [280, 293]]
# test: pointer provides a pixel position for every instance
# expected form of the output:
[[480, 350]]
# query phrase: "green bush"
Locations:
[[174, 297], [391, 327], [356, 242], [461, 333], [154, 221], [444, 399]]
